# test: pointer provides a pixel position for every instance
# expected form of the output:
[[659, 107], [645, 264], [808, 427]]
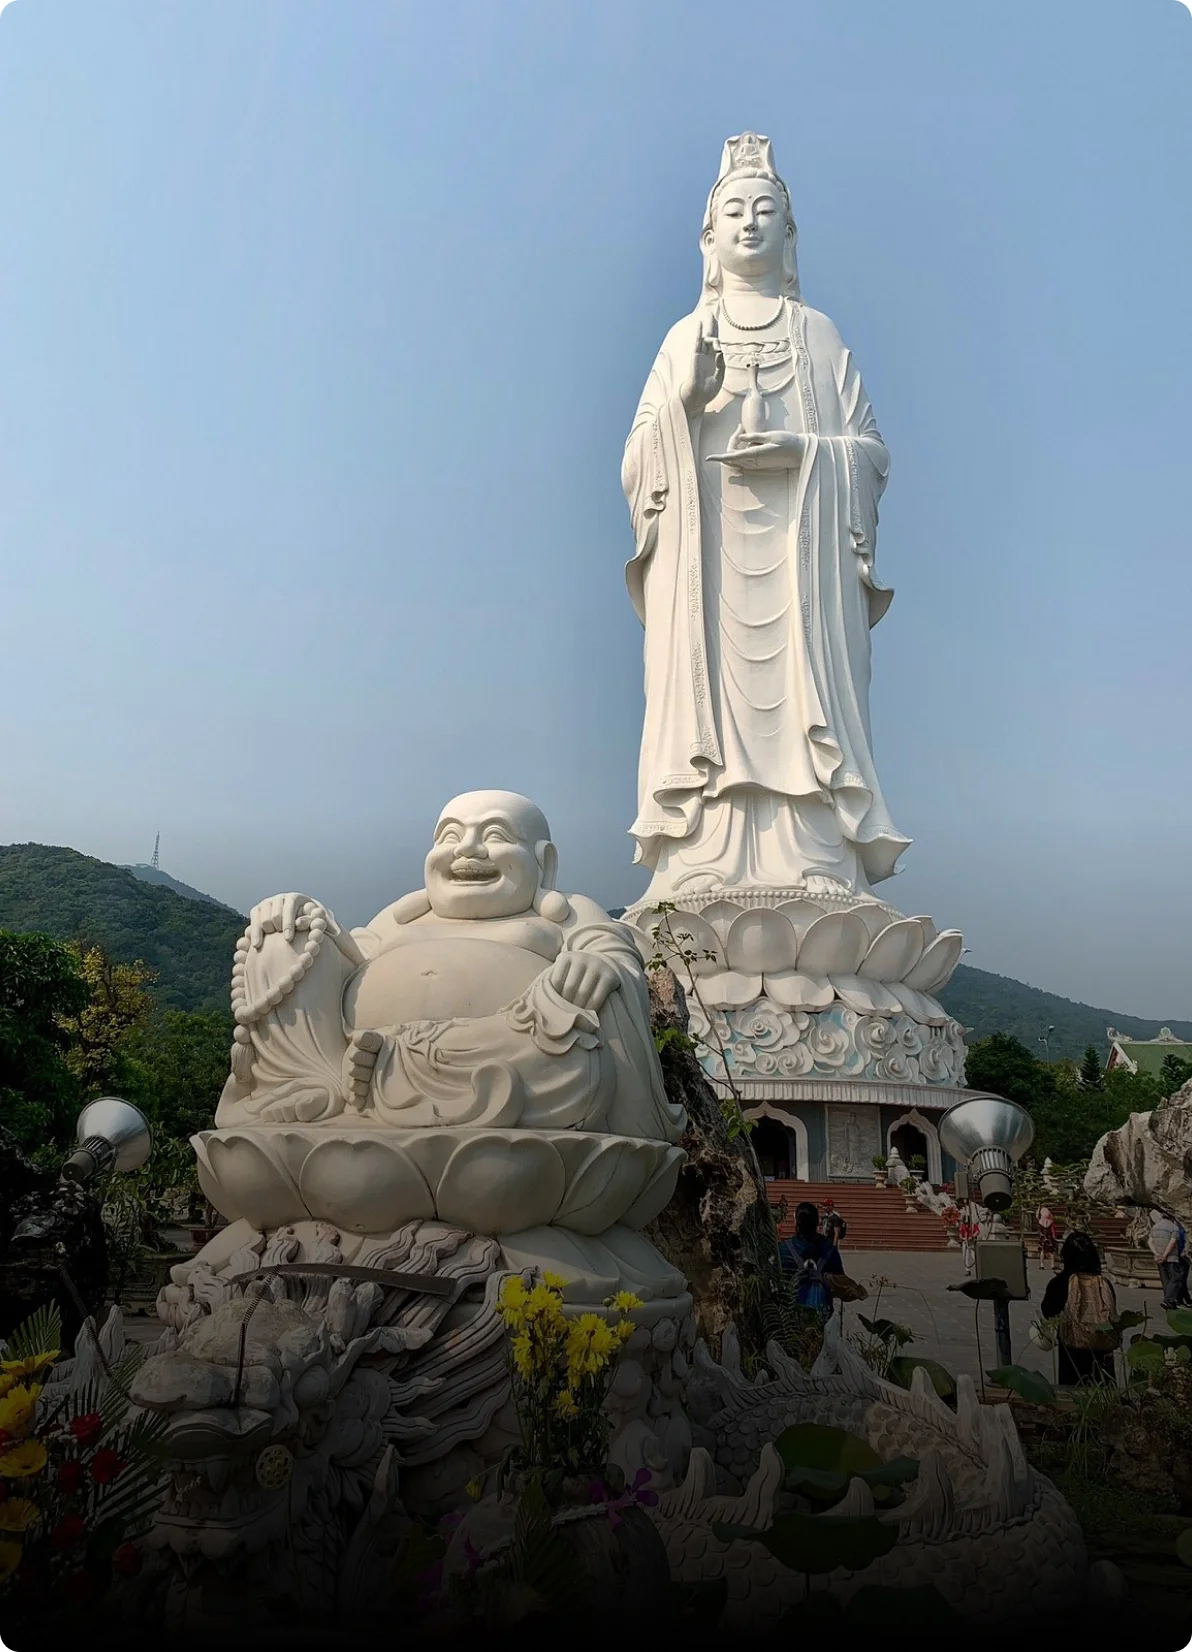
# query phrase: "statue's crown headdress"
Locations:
[[749, 153]]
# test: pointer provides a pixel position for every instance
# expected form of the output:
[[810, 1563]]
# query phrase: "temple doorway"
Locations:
[[911, 1143], [776, 1151]]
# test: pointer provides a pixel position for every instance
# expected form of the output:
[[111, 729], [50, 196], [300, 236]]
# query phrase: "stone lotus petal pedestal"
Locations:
[[818, 998], [364, 1180]]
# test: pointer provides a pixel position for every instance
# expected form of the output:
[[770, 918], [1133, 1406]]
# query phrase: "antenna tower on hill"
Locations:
[[156, 861]]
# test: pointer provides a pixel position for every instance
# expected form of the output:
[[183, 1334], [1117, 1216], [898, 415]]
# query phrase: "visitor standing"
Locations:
[[834, 1225], [1082, 1300], [1049, 1235], [1167, 1247], [810, 1257]]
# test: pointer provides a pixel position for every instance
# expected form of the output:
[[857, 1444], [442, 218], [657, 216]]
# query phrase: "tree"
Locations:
[[175, 1066], [40, 987], [1090, 1069], [1175, 1073], [119, 1003], [1003, 1065]]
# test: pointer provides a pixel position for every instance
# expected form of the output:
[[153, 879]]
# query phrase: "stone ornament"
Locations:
[[480, 1053], [980, 1524], [766, 1041], [805, 953], [496, 1181]]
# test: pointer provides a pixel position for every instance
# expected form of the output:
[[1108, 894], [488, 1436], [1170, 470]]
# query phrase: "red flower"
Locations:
[[70, 1476], [127, 1560], [81, 1587], [68, 1532], [87, 1429], [106, 1465]]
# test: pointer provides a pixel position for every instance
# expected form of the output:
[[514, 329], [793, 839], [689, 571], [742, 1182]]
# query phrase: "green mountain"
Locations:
[[994, 1003], [188, 939], [187, 943], [154, 874]]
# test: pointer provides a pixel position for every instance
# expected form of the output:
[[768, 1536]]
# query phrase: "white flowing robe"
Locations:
[[757, 593]]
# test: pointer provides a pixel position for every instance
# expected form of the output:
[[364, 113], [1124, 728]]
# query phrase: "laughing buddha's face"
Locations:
[[491, 853]]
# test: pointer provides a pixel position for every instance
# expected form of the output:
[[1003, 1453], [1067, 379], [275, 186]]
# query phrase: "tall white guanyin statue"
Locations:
[[753, 472]]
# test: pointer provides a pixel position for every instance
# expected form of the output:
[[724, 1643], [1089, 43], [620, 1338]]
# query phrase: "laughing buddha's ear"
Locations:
[[548, 902]]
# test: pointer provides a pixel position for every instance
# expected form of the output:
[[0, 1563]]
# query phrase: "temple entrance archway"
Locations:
[[917, 1137]]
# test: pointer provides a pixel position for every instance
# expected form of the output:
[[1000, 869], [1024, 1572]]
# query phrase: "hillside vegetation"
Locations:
[[187, 944], [994, 1003]]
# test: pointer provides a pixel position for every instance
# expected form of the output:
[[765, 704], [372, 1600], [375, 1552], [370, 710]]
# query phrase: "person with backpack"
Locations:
[[809, 1257], [1167, 1241], [1082, 1300]]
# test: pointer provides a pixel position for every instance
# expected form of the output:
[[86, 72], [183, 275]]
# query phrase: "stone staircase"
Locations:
[[877, 1217]]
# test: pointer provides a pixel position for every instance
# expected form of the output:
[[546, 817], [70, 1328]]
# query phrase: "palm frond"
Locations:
[[41, 1333]]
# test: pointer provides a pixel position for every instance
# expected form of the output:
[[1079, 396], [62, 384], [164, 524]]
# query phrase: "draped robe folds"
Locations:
[[537, 1063], [757, 593]]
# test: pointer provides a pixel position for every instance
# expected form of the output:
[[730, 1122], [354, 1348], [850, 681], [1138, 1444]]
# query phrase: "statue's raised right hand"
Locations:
[[285, 914], [706, 373]]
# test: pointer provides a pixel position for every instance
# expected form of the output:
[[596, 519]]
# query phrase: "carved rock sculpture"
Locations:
[[1148, 1160], [467, 1088], [295, 1398], [993, 1536]]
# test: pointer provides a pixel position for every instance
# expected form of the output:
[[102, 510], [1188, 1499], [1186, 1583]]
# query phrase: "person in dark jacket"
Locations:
[[810, 1258], [1081, 1299]]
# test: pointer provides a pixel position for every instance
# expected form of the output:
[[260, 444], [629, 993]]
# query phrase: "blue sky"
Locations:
[[322, 325]]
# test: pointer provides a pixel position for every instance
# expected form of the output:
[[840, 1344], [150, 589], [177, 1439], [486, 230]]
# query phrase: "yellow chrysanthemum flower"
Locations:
[[565, 1404], [590, 1341], [474, 1490], [543, 1303], [23, 1460], [555, 1281], [624, 1329], [624, 1301], [513, 1291], [523, 1355], [10, 1559], [16, 1408], [29, 1366], [17, 1514]]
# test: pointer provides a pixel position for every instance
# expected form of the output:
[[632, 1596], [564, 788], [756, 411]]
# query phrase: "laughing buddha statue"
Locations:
[[486, 999]]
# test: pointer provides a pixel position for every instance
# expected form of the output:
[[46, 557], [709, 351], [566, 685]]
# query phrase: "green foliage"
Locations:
[[817, 1543], [820, 1462], [903, 1367], [995, 1004], [187, 944], [983, 1290], [1069, 1116], [41, 1333], [174, 1068], [1174, 1074], [1091, 1069], [40, 983], [1028, 1385]]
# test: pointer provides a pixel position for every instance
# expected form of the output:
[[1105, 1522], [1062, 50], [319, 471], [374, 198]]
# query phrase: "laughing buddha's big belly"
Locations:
[[439, 980]]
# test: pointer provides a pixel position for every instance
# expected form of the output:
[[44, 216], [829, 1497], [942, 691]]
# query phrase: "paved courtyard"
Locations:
[[942, 1320], [918, 1297]]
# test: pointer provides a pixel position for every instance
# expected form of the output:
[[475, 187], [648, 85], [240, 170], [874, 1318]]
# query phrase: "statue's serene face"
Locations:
[[485, 858], [749, 226]]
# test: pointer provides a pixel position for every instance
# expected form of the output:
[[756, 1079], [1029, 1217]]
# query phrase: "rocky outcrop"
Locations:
[[717, 1229], [1148, 1160]]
